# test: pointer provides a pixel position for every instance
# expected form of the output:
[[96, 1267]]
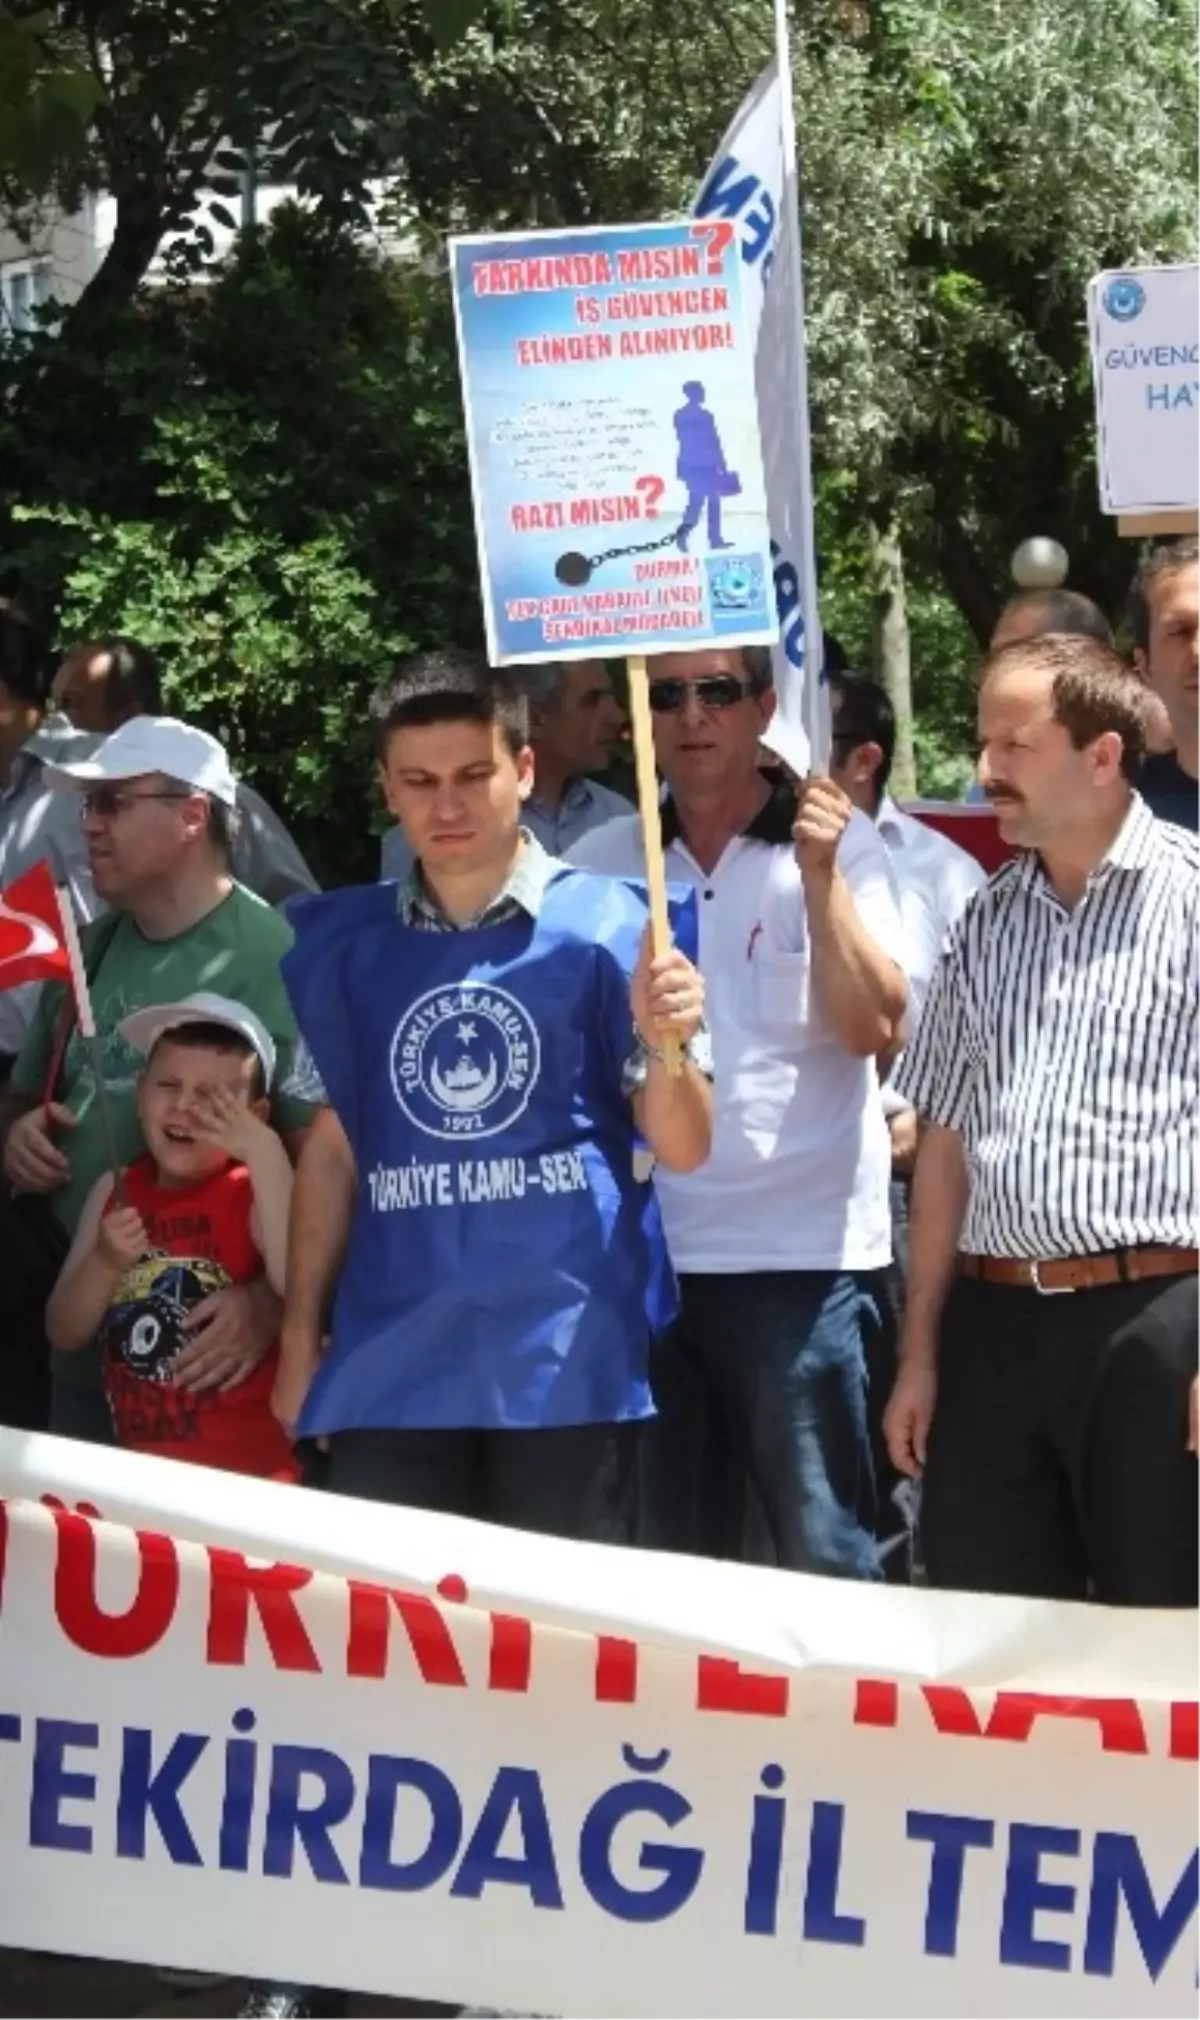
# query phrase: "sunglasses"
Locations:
[[105, 802], [714, 690]]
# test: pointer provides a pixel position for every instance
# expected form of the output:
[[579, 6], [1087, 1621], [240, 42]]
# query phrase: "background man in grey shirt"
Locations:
[[103, 682]]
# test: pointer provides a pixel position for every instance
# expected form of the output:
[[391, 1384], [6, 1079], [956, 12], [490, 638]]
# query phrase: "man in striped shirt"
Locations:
[[1047, 1379]]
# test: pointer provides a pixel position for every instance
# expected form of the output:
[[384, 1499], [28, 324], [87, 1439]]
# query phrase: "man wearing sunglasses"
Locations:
[[156, 804], [802, 951], [102, 683]]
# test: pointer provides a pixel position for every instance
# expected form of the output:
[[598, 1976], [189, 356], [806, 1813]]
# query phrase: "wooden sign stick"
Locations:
[[1156, 525], [656, 876]]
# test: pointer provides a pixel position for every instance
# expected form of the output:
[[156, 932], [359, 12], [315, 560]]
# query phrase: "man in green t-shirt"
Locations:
[[157, 804]]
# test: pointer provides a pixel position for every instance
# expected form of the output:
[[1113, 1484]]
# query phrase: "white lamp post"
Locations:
[[1039, 564]]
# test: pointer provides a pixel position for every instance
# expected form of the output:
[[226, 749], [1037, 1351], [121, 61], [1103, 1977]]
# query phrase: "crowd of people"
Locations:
[[448, 1191]]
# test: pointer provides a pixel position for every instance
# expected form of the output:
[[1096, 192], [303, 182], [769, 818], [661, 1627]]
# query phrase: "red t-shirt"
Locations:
[[200, 1242]]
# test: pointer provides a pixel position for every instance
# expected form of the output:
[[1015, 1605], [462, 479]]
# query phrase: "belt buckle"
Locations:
[[1048, 1290]]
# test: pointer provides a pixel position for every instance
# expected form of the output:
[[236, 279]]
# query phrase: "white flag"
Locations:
[[752, 181]]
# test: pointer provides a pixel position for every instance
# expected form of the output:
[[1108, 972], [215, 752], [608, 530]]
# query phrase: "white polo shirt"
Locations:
[[797, 1178], [934, 880]]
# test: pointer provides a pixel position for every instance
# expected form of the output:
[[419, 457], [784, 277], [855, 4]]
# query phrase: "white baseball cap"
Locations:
[[155, 743], [144, 1028]]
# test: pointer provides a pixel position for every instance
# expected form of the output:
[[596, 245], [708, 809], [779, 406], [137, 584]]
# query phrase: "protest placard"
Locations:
[[1145, 338], [272, 1733], [608, 382]]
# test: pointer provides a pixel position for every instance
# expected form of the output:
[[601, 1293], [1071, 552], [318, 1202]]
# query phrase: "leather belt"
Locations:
[[1080, 1272]]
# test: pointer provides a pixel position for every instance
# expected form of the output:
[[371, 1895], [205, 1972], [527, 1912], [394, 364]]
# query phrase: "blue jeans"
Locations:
[[765, 1376]]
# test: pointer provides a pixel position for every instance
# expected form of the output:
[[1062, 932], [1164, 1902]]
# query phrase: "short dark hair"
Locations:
[[201, 1033], [454, 684], [133, 682], [863, 713], [542, 685], [224, 821], [26, 667], [1063, 611], [1170, 558], [1093, 690], [757, 661], [224, 826]]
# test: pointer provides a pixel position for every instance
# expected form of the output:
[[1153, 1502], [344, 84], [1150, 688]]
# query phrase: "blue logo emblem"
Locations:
[[1124, 298], [736, 582], [465, 1061]]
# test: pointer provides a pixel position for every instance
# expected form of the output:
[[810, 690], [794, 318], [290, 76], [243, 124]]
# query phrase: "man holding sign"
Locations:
[[775, 1240], [491, 1035]]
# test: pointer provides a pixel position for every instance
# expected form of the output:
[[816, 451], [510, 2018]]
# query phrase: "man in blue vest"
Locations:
[[490, 1036]]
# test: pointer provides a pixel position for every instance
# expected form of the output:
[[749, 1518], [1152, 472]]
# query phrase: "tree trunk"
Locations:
[[141, 221], [966, 577], [892, 657]]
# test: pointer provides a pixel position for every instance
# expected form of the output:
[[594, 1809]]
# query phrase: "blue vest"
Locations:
[[504, 1268]]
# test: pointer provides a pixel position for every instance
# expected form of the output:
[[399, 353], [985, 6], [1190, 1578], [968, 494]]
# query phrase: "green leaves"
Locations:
[[269, 472], [449, 20], [48, 102], [270, 491]]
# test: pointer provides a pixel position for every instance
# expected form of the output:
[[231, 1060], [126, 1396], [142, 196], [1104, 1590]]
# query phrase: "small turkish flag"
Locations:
[[31, 931]]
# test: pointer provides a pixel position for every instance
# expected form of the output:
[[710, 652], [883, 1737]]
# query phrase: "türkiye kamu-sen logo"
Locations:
[[465, 1061], [1124, 298]]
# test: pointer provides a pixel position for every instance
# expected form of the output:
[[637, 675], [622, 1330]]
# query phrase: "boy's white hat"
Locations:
[[155, 743], [144, 1028]]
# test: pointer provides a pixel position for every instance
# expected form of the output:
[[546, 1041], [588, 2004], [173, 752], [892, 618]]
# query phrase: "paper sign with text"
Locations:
[[1145, 331], [258, 1730], [608, 381]]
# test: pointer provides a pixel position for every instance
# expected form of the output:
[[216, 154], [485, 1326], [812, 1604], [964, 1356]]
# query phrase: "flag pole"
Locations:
[[656, 875], [89, 1034], [818, 724]]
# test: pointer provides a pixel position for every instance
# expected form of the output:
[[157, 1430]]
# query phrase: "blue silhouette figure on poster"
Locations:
[[702, 467]]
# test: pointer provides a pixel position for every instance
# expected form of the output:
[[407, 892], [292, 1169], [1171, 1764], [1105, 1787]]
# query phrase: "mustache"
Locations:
[[999, 796]]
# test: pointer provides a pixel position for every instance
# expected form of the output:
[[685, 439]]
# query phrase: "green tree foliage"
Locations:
[[277, 518], [967, 165], [266, 473], [970, 164], [48, 100]]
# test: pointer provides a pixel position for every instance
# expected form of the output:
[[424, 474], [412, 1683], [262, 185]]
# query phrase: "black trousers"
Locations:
[[578, 1481], [1058, 1462]]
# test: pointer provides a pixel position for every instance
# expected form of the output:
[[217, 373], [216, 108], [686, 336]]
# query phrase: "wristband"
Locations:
[[646, 1048]]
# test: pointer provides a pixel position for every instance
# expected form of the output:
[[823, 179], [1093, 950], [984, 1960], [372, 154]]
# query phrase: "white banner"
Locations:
[[457, 1763], [752, 182]]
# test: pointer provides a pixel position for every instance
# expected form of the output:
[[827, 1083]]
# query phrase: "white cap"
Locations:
[[144, 1028], [156, 743]]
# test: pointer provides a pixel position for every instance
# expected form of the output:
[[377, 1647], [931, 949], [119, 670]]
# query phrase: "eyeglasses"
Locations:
[[106, 802], [714, 690]]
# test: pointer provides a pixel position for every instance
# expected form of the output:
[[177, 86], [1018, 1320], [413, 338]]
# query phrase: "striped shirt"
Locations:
[[1062, 1047]]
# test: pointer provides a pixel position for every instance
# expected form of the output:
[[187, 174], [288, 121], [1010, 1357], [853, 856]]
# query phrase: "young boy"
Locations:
[[205, 1206]]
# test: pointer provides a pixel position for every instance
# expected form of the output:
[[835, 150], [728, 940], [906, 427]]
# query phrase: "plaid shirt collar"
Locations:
[[524, 890]]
